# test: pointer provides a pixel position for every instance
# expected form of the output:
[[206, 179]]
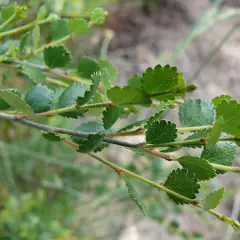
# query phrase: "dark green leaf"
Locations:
[[161, 132], [132, 125], [39, 98], [68, 98], [128, 95], [160, 79], [230, 112], [212, 200], [136, 82], [33, 73], [51, 136], [87, 67], [98, 16], [215, 133], [96, 77], [222, 153], [133, 193], [110, 116], [78, 25], [56, 56], [91, 143], [182, 182], [16, 102], [4, 105], [109, 73], [200, 167], [195, 112]]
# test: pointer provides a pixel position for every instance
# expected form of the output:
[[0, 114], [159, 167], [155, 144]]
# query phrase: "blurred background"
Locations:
[[48, 191]]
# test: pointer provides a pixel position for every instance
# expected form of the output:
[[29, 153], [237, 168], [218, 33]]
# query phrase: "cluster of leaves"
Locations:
[[88, 89]]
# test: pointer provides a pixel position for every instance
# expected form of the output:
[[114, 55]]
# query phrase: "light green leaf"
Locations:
[[12, 50], [36, 36], [59, 28], [87, 67], [212, 200], [33, 73], [215, 133], [51, 136], [42, 13], [217, 100], [194, 136], [91, 143], [98, 16], [56, 56], [96, 77], [230, 112], [196, 112], [133, 126], [78, 25], [128, 95], [4, 105], [160, 79], [96, 98], [200, 167], [16, 102], [133, 194], [222, 153], [68, 98], [161, 132], [109, 73], [23, 43], [110, 116], [39, 98], [182, 182]]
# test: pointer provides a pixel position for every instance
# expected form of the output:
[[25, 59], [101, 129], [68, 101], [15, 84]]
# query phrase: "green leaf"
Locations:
[[161, 132], [4, 105], [134, 126], [109, 73], [98, 16], [230, 112], [69, 97], [128, 95], [56, 56], [160, 79], [200, 167], [96, 98], [212, 200], [136, 82], [91, 143], [87, 67], [78, 25], [110, 116], [12, 50], [42, 13], [215, 133], [16, 102], [222, 153], [59, 28], [39, 98], [36, 36], [196, 112], [133, 194], [23, 42], [217, 100], [51, 136], [96, 77], [196, 135], [33, 73], [182, 182]]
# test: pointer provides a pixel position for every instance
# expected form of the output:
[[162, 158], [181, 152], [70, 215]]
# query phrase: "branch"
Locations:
[[234, 223], [61, 130], [26, 27]]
